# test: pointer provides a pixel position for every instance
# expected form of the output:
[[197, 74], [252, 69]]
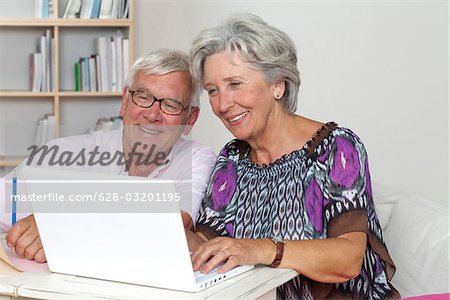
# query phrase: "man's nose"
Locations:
[[154, 113]]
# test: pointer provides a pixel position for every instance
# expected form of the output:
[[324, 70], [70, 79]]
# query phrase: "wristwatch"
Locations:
[[280, 250]]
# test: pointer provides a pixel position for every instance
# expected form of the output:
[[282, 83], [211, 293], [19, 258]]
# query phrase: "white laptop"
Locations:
[[147, 248]]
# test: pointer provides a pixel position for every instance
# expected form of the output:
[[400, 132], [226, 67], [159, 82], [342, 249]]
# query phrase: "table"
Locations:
[[252, 284]]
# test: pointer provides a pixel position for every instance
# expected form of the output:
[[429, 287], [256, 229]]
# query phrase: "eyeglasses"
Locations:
[[167, 106]]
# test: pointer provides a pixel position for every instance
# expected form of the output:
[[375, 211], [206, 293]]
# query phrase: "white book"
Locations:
[[35, 71], [51, 10], [38, 133], [114, 9], [113, 64], [43, 51], [52, 64], [117, 123], [125, 10], [84, 74], [104, 124], [67, 9], [101, 45], [48, 54], [105, 9], [119, 60], [125, 56], [118, 7], [86, 9], [38, 9], [50, 130], [98, 73], [72, 9], [92, 77], [43, 136]]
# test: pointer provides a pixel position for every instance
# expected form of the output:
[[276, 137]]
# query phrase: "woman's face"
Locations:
[[239, 95]]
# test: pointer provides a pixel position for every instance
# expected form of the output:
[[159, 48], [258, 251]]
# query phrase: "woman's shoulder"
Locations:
[[329, 136], [234, 149]]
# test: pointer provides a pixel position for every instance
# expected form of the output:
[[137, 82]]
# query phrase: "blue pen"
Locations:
[[14, 194]]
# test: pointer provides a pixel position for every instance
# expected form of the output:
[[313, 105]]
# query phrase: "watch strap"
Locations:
[[279, 255]]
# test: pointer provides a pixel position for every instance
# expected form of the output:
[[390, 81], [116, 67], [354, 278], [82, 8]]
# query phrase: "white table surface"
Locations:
[[46, 285]]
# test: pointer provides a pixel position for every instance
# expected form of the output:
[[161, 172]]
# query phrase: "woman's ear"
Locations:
[[279, 88]]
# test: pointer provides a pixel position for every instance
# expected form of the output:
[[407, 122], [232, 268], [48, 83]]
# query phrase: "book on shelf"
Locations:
[[45, 130], [107, 124], [113, 64], [92, 74], [95, 9], [105, 9], [35, 72], [84, 74], [106, 69], [43, 9], [117, 39], [41, 64], [125, 56], [98, 72], [72, 10], [77, 76], [101, 48]]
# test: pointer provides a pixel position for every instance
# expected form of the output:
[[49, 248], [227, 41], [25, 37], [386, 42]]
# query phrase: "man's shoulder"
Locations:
[[184, 145], [97, 138]]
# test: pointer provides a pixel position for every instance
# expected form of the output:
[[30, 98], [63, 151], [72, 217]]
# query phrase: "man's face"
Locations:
[[151, 126]]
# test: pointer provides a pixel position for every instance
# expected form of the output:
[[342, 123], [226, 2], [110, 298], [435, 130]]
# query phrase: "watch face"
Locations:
[[276, 239]]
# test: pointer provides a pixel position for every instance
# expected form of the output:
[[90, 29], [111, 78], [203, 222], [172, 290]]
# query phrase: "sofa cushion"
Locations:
[[417, 238], [385, 198]]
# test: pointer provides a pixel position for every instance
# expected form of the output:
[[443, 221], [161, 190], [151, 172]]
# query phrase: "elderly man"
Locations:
[[159, 104]]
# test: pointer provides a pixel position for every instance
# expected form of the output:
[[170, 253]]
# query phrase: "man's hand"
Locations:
[[24, 239]]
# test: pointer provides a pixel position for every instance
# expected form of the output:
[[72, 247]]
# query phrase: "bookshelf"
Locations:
[[72, 38]]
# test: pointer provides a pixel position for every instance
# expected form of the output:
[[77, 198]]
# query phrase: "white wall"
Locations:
[[377, 67]]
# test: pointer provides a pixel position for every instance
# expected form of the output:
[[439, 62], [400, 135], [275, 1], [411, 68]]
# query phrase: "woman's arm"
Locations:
[[330, 260]]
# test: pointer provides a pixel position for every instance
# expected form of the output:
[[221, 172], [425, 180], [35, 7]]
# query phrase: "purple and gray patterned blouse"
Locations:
[[320, 191]]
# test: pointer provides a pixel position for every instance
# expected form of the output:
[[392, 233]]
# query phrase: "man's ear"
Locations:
[[193, 116], [123, 107]]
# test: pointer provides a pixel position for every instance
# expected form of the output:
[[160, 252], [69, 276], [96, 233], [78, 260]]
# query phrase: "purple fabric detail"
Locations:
[[324, 156], [224, 186], [230, 228], [378, 268], [346, 165], [224, 152], [367, 175], [314, 205]]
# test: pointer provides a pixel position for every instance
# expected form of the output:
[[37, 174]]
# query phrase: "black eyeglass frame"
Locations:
[[184, 107]]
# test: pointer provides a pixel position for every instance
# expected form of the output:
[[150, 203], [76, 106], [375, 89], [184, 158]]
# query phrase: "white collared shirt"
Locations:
[[188, 161]]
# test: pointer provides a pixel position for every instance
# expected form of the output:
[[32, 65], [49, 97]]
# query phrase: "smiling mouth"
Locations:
[[238, 117], [149, 131]]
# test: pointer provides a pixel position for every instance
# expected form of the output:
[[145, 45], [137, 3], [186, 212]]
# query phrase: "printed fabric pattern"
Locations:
[[321, 190]]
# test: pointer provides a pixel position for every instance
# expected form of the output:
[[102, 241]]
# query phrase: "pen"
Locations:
[[14, 194]]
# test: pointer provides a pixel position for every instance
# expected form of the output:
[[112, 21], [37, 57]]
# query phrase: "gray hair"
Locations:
[[164, 61], [266, 48]]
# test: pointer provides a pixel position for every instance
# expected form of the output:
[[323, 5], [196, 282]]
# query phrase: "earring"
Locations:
[[277, 96]]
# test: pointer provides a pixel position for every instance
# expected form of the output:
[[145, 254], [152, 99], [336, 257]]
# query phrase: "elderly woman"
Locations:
[[288, 192]]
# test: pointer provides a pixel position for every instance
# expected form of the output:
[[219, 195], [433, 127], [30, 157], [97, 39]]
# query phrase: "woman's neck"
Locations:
[[288, 133], [277, 139]]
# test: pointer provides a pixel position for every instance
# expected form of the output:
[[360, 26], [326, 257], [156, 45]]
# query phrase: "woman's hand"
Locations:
[[232, 252]]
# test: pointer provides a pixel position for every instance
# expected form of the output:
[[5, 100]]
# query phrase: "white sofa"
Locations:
[[417, 235]]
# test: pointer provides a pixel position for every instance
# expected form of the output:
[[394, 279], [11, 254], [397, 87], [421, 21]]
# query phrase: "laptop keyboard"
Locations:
[[211, 273]]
